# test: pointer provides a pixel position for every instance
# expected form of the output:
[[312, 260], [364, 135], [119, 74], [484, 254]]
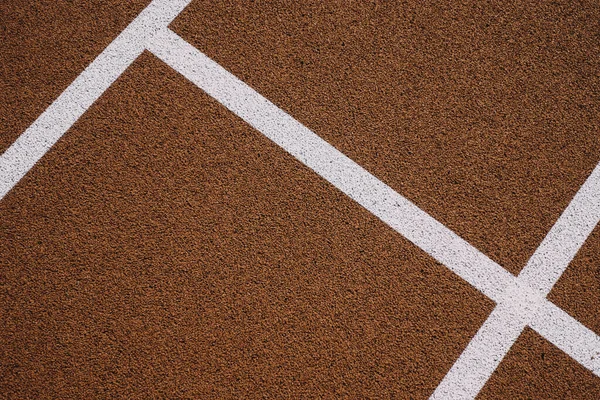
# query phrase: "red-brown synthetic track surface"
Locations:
[[165, 249]]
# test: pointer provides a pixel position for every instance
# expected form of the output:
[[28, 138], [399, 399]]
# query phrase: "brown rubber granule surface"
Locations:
[[44, 46], [485, 114], [578, 289], [165, 249], [536, 369]]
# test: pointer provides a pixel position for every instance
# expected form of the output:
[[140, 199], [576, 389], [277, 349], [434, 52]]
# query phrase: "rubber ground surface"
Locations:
[[164, 248]]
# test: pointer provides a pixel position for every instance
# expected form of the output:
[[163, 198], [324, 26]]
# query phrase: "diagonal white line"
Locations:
[[497, 335], [491, 343], [518, 302], [566, 237], [566, 333], [49, 127], [396, 211], [502, 328], [482, 356]]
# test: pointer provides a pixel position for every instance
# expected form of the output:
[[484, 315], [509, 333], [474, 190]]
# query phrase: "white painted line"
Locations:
[[521, 301], [396, 211], [467, 376], [566, 237], [493, 340], [480, 359], [569, 335], [499, 332], [49, 127], [518, 302]]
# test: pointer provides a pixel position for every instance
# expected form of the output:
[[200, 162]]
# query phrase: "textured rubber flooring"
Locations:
[[165, 248], [165, 258], [485, 115], [535, 369], [44, 45], [578, 290]]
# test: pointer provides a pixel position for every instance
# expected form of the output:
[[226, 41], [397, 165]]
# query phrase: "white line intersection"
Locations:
[[521, 301]]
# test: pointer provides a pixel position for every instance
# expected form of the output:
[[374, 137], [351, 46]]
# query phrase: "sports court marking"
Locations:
[[521, 301], [20, 157]]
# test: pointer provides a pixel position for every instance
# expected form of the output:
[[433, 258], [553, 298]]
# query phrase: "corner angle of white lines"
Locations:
[[521, 301]]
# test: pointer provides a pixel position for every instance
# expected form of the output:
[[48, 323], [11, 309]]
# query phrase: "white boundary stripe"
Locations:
[[22, 155], [396, 211], [517, 301], [521, 301], [482, 356], [566, 333], [495, 338], [566, 237]]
